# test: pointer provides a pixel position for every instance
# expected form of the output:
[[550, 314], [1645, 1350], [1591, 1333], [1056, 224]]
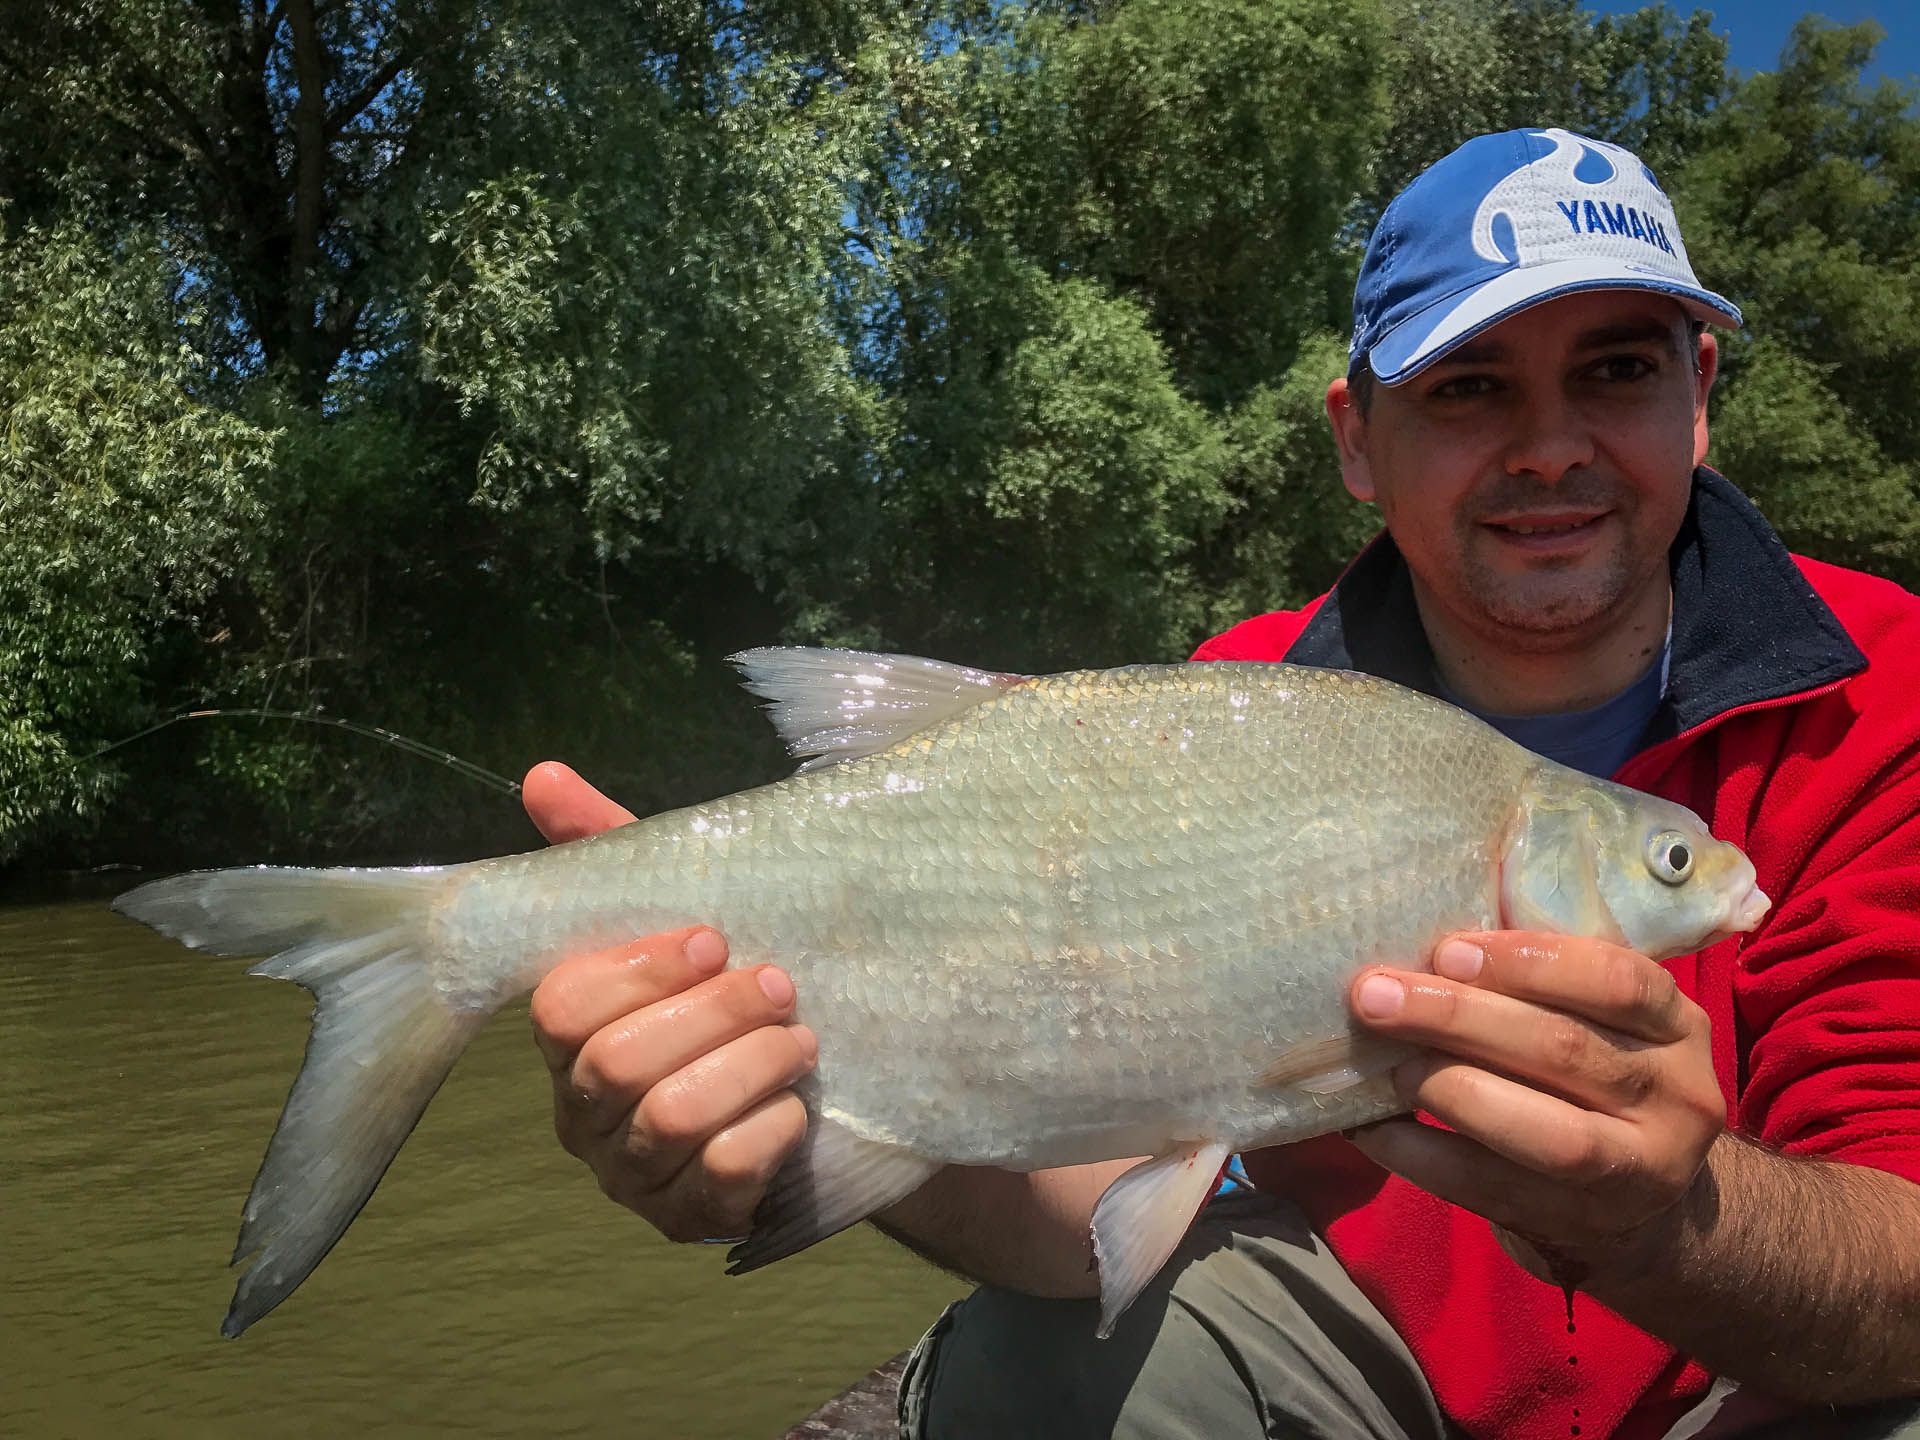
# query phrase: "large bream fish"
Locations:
[[1033, 921]]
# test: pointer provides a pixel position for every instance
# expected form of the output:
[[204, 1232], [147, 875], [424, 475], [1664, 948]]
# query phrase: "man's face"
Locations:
[[1535, 478]]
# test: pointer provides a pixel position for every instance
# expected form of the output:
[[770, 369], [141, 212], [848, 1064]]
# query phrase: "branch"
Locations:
[[181, 111], [260, 49], [309, 124], [141, 127], [366, 94], [197, 144]]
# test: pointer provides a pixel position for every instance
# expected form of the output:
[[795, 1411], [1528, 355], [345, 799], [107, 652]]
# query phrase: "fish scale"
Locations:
[[1033, 921], [1061, 800]]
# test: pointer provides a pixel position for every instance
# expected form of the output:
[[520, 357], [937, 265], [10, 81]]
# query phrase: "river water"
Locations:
[[488, 1289]]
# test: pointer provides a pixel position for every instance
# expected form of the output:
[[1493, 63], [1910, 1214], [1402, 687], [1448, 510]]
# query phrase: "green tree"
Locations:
[[1100, 236], [456, 532], [487, 369], [124, 503], [1647, 80], [1799, 203]]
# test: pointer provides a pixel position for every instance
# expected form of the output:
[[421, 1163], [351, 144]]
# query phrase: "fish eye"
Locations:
[[1670, 857]]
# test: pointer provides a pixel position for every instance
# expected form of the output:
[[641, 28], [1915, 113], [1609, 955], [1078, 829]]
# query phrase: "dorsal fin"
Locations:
[[838, 705]]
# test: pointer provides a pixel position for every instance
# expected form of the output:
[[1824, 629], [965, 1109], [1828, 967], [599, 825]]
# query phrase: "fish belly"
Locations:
[[1077, 921]]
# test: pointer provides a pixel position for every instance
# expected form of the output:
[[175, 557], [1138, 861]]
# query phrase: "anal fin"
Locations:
[[1143, 1216], [833, 1180]]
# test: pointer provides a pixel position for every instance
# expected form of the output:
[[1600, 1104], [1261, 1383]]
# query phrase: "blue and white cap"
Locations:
[[1505, 222]]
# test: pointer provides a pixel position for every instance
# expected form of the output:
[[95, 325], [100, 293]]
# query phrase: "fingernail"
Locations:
[[1380, 997], [776, 986], [808, 1041], [706, 951], [1459, 960]]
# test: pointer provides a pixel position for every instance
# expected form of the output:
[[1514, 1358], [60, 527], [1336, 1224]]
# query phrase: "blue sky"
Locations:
[[1756, 30]]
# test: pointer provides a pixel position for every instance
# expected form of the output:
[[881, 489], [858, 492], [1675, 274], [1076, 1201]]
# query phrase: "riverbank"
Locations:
[[865, 1410]]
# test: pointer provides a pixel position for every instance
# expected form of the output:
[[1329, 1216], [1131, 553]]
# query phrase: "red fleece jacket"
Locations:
[[1810, 762]]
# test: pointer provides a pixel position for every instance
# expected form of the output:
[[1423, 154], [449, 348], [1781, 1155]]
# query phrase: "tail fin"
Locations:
[[383, 1039]]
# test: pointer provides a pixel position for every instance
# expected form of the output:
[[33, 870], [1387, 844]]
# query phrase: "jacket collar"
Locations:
[[1747, 626]]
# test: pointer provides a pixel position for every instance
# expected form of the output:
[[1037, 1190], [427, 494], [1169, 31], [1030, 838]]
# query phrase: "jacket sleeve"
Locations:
[[1827, 995]]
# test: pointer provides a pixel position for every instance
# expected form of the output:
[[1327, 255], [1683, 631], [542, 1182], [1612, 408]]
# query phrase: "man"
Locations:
[[1671, 1201]]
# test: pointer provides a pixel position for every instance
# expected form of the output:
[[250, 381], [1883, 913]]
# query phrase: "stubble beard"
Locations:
[[1550, 601], [1553, 600]]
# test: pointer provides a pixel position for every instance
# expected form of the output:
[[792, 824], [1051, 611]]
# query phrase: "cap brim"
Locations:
[[1423, 338]]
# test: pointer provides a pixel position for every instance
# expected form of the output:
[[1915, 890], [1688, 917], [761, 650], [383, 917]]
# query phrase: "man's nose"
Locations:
[[1549, 437]]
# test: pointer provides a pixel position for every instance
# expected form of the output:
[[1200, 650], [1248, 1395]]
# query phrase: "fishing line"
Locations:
[[407, 743]]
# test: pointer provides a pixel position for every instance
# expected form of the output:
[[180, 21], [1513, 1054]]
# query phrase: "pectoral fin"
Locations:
[[1325, 1067], [835, 1179], [1141, 1218]]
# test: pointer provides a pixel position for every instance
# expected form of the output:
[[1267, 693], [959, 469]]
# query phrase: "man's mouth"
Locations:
[[1558, 529], [1547, 531]]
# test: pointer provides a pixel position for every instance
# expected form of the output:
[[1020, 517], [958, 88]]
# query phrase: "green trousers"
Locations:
[[1254, 1333]]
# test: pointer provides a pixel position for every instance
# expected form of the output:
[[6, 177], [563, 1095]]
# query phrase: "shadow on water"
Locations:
[[488, 1289]]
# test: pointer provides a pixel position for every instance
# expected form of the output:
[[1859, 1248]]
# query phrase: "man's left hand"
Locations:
[[1576, 1083]]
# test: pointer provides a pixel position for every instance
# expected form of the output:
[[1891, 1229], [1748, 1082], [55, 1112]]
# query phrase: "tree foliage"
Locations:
[[123, 498], [1647, 80], [1801, 201], [488, 369]]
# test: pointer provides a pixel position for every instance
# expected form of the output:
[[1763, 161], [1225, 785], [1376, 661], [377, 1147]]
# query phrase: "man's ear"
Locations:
[[1350, 438], [1702, 383]]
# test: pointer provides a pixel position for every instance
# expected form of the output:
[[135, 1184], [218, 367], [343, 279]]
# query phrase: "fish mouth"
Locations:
[[1750, 911], [1743, 915]]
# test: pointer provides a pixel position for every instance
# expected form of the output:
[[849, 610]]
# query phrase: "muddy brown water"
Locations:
[[487, 1290]]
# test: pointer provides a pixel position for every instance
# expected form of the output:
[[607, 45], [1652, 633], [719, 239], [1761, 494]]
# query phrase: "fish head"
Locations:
[[1588, 857]]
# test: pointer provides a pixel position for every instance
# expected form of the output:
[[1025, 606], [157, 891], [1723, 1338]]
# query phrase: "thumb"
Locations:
[[564, 807]]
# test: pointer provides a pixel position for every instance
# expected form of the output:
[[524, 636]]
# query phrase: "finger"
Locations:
[[676, 1118], [719, 1191], [1537, 1131], [1464, 1172], [1580, 1060], [1616, 987], [564, 807], [639, 1051], [585, 993]]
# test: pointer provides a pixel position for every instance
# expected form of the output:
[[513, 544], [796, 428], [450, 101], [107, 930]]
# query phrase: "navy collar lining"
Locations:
[[1747, 626]]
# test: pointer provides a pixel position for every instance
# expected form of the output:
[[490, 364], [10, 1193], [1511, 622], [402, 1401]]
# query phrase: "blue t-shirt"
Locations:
[[1596, 741]]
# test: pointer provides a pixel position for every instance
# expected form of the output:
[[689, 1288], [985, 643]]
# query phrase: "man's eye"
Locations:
[[1624, 367], [1461, 387]]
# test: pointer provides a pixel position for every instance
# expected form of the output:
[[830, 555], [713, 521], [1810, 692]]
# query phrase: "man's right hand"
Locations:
[[670, 1072]]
